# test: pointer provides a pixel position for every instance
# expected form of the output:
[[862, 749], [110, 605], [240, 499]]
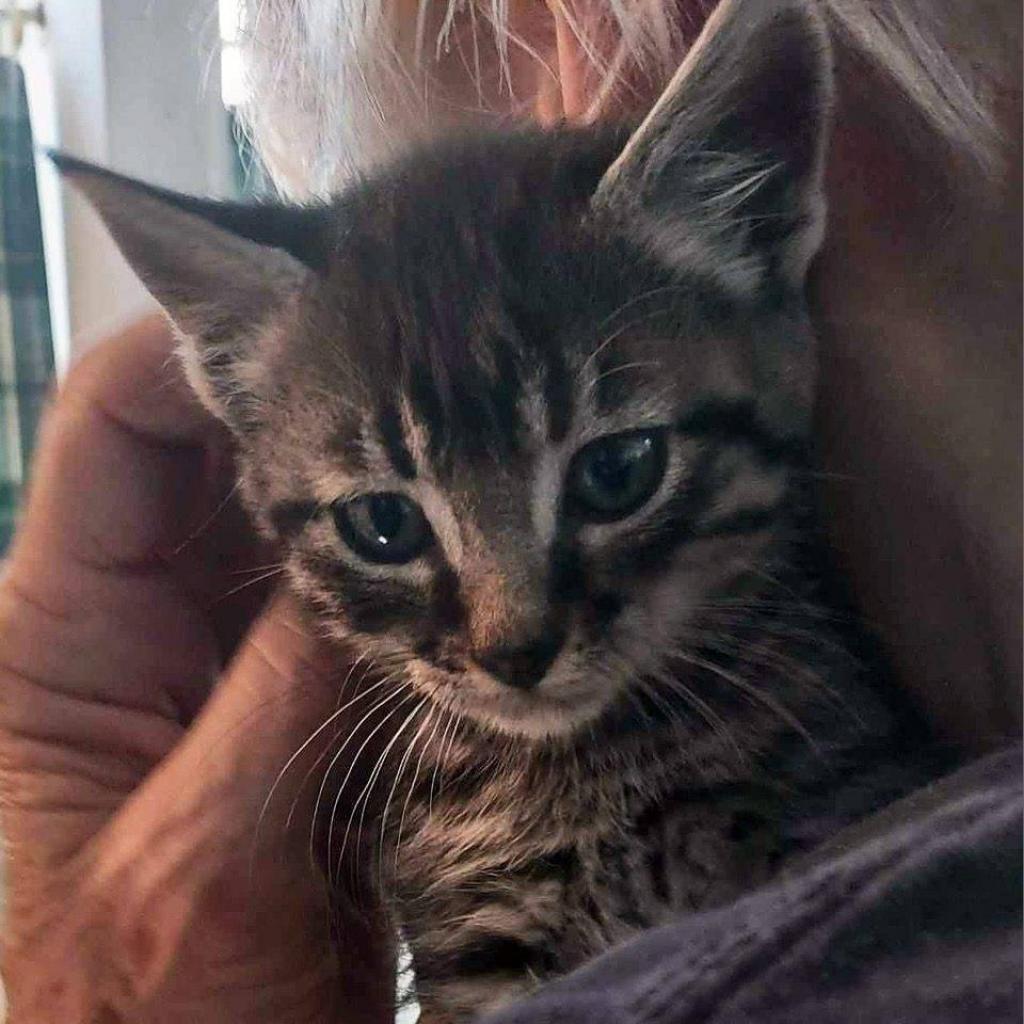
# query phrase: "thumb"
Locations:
[[218, 910]]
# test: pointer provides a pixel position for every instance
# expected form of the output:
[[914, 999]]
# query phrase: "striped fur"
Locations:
[[581, 726]]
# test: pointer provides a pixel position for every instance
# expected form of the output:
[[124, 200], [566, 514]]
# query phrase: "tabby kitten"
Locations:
[[528, 414]]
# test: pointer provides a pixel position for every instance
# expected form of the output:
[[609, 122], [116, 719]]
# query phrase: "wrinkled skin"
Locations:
[[139, 885], [131, 816]]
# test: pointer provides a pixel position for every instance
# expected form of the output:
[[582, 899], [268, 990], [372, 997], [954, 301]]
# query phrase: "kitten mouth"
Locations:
[[547, 710]]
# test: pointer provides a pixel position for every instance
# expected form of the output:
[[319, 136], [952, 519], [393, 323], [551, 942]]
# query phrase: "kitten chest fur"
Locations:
[[516, 868]]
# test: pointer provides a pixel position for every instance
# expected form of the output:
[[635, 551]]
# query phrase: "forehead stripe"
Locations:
[[558, 396], [389, 425], [735, 421]]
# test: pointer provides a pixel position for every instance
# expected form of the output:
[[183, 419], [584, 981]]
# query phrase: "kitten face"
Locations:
[[515, 478], [521, 406]]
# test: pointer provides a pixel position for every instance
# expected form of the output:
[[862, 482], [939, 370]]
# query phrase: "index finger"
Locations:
[[129, 531], [124, 445]]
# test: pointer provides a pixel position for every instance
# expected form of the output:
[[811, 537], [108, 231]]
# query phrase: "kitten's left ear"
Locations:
[[725, 173], [220, 271]]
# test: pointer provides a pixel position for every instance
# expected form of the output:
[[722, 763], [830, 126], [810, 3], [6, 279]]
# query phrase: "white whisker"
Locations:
[[208, 521], [402, 765], [355, 758], [324, 753], [619, 369], [440, 760], [256, 568], [428, 745], [249, 583], [750, 690], [703, 708], [341, 750], [364, 796], [610, 339]]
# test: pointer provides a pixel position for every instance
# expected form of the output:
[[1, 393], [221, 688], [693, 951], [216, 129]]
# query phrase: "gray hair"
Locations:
[[330, 94]]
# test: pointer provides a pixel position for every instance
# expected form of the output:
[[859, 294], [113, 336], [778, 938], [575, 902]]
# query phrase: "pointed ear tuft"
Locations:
[[221, 271], [725, 173]]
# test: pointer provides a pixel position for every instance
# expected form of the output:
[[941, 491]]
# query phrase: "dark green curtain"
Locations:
[[26, 350]]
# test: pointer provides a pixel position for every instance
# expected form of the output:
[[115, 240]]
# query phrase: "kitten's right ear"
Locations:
[[220, 270]]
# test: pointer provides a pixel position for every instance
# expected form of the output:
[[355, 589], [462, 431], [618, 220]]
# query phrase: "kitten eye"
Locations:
[[613, 476], [383, 527]]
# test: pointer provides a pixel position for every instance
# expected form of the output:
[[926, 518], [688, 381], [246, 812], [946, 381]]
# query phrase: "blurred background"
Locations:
[[146, 87]]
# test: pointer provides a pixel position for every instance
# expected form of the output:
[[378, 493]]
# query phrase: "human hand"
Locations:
[[147, 702]]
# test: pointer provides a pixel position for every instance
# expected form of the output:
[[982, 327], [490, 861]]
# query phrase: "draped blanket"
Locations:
[[912, 918]]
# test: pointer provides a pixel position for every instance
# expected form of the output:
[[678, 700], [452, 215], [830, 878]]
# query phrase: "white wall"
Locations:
[[135, 87]]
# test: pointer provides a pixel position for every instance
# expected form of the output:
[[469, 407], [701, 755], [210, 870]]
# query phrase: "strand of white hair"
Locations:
[[330, 93]]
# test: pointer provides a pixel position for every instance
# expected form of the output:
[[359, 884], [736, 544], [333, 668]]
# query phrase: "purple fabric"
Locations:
[[920, 923]]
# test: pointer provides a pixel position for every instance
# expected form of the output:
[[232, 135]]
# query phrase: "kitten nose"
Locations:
[[521, 666]]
